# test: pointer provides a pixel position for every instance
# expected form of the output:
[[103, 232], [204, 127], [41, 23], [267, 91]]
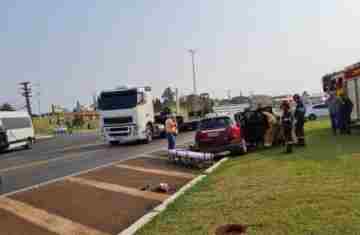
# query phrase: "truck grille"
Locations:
[[118, 134], [120, 129], [117, 120]]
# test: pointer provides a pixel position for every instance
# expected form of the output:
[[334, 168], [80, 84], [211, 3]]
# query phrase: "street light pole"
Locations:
[[192, 53]]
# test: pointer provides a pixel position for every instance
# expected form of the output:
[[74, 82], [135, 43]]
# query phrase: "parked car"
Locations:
[[218, 134], [314, 112], [60, 130]]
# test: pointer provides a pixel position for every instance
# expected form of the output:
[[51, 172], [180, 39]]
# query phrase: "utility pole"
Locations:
[[177, 101], [25, 86], [192, 53], [229, 94]]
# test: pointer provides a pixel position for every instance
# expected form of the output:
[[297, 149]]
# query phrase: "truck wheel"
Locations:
[[149, 134], [113, 143], [29, 144]]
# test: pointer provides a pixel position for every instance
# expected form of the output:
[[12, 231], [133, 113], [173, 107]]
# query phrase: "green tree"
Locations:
[[168, 97], [7, 107], [78, 122], [157, 105]]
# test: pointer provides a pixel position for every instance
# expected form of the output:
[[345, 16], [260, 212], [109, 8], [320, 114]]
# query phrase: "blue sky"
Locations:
[[76, 48]]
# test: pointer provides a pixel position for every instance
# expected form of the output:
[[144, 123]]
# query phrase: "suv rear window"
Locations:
[[214, 123], [320, 106]]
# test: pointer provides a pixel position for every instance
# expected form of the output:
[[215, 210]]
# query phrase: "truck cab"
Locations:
[[127, 115]]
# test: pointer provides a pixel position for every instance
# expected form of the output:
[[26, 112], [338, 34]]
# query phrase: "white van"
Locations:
[[16, 130]]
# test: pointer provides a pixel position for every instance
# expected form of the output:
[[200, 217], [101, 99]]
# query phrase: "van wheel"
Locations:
[[312, 117], [149, 134], [29, 144]]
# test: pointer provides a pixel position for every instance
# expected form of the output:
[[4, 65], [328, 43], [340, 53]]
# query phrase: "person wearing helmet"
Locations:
[[287, 120], [299, 116]]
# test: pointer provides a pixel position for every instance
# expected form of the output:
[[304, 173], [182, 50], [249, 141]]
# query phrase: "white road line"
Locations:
[[158, 172], [13, 158], [46, 220], [45, 162], [119, 189]]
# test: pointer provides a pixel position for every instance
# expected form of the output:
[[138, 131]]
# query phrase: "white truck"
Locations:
[[127, 115]]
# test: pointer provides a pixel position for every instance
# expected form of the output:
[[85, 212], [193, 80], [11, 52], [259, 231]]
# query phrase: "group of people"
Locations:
[[340, 109], [293, 122], [263, 128]]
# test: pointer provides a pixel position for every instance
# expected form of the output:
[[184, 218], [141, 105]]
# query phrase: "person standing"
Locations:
[[287, 120], [347, 108], [171, 131], [271, 121], [299, 115], [333, 105]]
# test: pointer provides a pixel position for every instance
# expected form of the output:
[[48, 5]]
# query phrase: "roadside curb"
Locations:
[[214, 167], [147, 218], [43, 137]]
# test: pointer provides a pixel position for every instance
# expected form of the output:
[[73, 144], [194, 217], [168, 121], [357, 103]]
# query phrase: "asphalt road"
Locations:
[[66, 155]]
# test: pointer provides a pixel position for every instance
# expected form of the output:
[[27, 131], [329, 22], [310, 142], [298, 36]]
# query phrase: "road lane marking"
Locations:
[[77, 173], [48, 221], [45, 162], [10, 156], [158, 172], [119, 189]]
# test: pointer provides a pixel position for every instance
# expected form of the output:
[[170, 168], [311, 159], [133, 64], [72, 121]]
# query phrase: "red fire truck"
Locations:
[[346, 81]]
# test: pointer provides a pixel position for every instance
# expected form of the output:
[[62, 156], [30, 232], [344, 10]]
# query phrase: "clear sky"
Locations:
[[75, 48]]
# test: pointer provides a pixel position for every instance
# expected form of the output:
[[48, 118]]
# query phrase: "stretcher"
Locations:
[[190, 158]]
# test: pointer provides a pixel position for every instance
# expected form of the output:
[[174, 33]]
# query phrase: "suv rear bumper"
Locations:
[[232, 147]]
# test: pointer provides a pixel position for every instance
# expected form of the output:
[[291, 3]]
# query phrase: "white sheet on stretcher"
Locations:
[[191, 155]]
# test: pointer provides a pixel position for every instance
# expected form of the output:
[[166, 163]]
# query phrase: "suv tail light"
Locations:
[[234, 132]]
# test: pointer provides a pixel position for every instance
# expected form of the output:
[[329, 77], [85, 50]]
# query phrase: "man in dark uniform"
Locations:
[[287, 120], [346, 110], [299, 115]]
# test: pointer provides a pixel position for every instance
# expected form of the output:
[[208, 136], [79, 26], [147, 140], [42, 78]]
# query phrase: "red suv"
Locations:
[[220, 134]]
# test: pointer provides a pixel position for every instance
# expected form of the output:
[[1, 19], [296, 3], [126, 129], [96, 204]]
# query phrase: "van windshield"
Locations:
[[16, 123], [118, 100]]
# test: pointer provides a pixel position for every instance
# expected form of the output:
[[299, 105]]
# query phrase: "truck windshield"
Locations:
[[118, 100]]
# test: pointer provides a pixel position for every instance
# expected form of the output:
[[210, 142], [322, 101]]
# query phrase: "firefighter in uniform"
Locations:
[[299, 114], [287, 120]]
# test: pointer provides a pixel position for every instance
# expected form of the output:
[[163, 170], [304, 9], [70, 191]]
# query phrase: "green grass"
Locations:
[[316, 190], [42, 126]]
